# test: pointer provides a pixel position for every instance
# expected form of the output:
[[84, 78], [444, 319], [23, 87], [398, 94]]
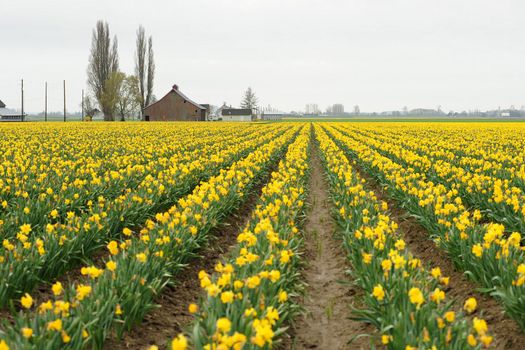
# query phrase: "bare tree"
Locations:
[[128, 100], [144, 67], [249, 100], [103, 62], [89, 106]]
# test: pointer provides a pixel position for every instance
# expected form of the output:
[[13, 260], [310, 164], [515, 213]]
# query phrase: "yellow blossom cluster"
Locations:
[[247, 297], [89, 195], [139, 264], [488, 170], [447, 208], [406, 300]]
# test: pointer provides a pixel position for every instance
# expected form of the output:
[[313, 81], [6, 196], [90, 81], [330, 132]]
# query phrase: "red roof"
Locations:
[[176, 90]]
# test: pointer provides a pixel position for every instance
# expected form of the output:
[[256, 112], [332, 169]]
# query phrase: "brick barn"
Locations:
[[175, 106]]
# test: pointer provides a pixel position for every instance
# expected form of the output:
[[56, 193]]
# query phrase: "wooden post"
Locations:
[[64, 100], [22, 99], [45, 108]]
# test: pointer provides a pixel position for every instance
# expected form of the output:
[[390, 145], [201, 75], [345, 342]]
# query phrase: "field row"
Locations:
[[489, 253], [119, 288], [92, 235], [45, 245], [404, 297]]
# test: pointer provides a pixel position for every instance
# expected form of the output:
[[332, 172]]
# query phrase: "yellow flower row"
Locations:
[[44, 254], [139, 267], [493, 258], [405, 300], [496, 147], [60, 168], [247, 298], [484, 183]]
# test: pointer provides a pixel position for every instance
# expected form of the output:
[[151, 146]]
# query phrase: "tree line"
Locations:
[[111, 91]]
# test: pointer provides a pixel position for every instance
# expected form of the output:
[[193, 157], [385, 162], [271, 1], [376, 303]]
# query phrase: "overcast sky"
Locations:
[[379, 54]]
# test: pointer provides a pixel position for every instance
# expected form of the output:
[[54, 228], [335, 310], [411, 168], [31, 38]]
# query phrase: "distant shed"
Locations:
[[9, 115], [175, 106], [272, 115], [236, 114]]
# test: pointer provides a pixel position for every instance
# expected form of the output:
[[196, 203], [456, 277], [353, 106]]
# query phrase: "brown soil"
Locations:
[[506, 332], [171, 317], [326, 324]]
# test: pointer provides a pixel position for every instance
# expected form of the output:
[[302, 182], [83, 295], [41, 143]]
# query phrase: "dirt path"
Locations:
[[326, 324], [506, 332]]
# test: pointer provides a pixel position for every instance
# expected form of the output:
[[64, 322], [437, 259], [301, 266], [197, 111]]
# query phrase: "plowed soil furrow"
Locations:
[[326, 324], [172, 317], [507, 334]]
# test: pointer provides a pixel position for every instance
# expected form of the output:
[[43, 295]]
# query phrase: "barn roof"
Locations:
[[176, 90], [236, 111]]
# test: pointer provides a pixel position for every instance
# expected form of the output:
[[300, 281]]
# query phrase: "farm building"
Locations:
[[424, 111], [175, 106], [272, 115], [9, 115], [229, 114]]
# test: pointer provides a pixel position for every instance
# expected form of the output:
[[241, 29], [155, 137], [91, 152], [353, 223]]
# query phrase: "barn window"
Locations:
[[184, 101], [195, 111]]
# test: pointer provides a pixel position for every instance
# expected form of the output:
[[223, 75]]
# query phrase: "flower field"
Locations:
[[99, 222]]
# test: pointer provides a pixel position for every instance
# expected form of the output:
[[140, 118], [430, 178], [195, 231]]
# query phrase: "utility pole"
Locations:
[[82, 104], [64, 100], [22, 99], [45, 109]]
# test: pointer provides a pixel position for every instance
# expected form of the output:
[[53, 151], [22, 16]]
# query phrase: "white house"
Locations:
[[9, 115], [228, 114]]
